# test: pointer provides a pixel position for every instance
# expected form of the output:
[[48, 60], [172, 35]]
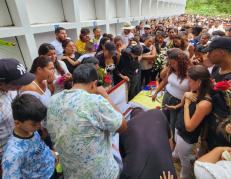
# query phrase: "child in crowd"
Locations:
[[26, 155]]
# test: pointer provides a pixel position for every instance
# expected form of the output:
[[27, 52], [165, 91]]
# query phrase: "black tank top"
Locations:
[[190, 137]]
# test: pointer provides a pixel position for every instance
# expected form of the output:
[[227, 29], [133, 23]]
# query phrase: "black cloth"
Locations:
[[190, 137], [220, 113], [146, 76], [70, 67], [115, 72], [145, 147], [145, 49], [130, 67]]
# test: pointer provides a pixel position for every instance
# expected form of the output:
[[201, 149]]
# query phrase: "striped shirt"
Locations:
[[6, 118]]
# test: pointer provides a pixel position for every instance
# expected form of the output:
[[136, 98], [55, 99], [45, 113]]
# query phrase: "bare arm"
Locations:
[[191, 51], [190, 95], [203, 108], [72, 62], [150, 56], [160, 87], [214, 155], [178, 105]]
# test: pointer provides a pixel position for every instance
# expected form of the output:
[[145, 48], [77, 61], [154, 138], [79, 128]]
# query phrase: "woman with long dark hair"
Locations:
[[70, 55], [42, 86], [176, 82], [62, 75], [191, 117], [101, 46]]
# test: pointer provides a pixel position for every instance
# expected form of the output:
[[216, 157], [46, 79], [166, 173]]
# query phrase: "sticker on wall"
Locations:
[[56, 26], [6, 43], [94, 23]]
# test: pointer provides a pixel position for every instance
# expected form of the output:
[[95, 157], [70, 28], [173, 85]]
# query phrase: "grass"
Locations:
[[209, 7]]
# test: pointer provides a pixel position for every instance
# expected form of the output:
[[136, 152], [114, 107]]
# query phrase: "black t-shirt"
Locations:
[[190, 137], [145, 147], [128, 66], [220, 113], [70, 67], [115, 72]]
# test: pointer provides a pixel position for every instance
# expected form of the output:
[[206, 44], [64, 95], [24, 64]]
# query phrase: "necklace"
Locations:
[[40, 89]]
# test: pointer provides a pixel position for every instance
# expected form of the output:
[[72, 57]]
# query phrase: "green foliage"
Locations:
[[209, 7]]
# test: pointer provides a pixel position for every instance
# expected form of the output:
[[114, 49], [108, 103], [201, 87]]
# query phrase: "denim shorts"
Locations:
[[169, 99]]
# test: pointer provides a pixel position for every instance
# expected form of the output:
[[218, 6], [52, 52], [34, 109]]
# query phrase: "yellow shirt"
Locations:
[[80, 46]]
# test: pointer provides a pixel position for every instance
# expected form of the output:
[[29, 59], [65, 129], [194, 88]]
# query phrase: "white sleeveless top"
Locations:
[[44, 98], [175, 87]]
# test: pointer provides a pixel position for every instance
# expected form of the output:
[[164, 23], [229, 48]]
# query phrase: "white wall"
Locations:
[[144, 8], [34, 20], [134, 8], [4, 14], [44, 11], [87, 10], [113, 29], [120, 8]]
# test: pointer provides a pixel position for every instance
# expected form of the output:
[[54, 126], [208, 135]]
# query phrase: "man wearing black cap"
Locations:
[[219, 53], [129, 66], [13, 75]]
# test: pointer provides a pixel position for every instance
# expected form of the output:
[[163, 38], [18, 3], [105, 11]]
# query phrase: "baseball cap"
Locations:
[[136, 49], [11, 71], [110, 46], [219, 43]]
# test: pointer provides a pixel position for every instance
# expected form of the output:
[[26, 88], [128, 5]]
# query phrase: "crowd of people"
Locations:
[[57, 120]]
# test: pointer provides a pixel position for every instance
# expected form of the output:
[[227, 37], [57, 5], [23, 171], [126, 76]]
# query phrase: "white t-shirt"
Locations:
[[87, 55], [58, 48], [219, 170], [126, 38], [213, 29], [175, 87]]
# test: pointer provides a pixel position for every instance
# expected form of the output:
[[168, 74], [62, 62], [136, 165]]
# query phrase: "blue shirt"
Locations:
[[58, 48], [27, 159]]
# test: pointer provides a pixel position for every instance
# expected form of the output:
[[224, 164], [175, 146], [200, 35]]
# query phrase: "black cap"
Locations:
[[13, 72], [219, 43], [136, 49], [110, 46]]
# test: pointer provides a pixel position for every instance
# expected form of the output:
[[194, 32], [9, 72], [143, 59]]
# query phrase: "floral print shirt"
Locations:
[[81, 126]]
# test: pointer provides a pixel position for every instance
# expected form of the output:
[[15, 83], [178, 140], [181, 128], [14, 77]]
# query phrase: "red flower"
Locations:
[[158, 107], [107, 79], [222, 85]]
